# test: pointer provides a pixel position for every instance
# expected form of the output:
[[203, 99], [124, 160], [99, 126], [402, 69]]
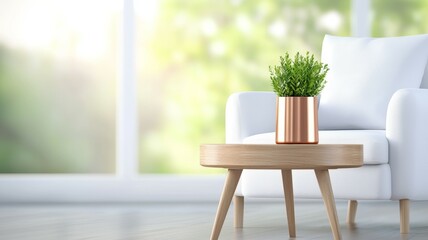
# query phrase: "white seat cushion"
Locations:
[[374, 141], [367, 182]]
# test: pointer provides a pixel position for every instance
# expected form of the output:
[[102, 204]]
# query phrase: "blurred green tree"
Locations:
[[47, 116], [199, 52], [399, 17]]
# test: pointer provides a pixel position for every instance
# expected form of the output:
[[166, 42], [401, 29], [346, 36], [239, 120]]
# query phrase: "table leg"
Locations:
[[239, 211], [287, 183], [232, 180], [324, 183]]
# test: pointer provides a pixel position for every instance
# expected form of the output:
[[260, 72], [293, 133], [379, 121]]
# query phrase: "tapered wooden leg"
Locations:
[[404, 215], [324, 183], [352, 211], [239, 211], [287, 183], [232, 180]]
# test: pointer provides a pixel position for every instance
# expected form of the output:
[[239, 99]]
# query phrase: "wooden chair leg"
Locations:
[[352, 211], [238, 201], [404, 216]]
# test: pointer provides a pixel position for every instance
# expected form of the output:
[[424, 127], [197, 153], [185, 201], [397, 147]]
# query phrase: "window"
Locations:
[[57, 86], [60, 62]]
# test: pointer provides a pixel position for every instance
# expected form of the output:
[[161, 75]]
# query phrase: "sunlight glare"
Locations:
[[79, 29]]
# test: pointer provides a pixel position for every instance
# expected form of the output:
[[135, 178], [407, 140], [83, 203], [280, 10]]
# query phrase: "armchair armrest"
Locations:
[[407, 133], [249, 113]]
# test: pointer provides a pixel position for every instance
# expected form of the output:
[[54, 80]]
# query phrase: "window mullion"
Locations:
[[361, 26], [126, 160]]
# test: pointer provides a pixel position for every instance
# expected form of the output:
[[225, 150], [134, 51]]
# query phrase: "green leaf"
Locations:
[[301, 76]]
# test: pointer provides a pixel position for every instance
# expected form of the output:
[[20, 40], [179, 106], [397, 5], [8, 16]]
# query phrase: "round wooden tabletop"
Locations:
[[281, 156]]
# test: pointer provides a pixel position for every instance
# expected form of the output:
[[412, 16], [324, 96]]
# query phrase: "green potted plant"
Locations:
[[297, 83]]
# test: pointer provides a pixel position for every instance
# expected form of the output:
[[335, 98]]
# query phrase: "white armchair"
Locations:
[[395, 154]]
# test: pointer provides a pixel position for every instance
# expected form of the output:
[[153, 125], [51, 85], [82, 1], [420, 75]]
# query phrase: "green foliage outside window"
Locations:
[[399, 17], [202, 51], [57, 95], [190, 57]]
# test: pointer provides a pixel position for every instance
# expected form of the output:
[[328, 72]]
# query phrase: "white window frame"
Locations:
[[126, 184]]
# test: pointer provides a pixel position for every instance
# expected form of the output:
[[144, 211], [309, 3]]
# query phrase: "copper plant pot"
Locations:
[[296, 120]]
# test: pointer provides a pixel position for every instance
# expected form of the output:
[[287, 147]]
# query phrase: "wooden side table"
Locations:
[[319, 157]]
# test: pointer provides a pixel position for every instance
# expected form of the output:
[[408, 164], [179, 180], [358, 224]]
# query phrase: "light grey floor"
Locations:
[[193, 221]]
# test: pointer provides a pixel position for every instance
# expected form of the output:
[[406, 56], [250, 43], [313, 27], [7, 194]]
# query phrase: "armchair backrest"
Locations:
[[249, 113], [364, 74]]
